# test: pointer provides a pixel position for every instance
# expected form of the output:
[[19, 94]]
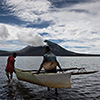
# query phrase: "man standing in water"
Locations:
[[10, 66], [49, 63]]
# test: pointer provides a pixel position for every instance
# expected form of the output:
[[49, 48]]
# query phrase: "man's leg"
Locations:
[[11, 76], [7, 74], [48, 88], [56, 91]]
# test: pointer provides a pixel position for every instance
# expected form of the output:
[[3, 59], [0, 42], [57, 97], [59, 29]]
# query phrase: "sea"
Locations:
[[83, 87]]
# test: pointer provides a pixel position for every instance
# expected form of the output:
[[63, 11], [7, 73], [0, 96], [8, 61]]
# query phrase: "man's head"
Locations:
[[47, 49], [14, 54]]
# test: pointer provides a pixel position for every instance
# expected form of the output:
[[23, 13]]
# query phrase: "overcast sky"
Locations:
[[73, 24]]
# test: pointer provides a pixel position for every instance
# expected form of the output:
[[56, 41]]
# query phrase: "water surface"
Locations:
[[83, 87]]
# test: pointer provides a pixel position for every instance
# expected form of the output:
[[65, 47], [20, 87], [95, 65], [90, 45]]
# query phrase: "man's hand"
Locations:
[[14, 71], [38, 72]]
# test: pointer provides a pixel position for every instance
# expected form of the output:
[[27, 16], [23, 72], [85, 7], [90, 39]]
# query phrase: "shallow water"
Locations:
[[83, 87]]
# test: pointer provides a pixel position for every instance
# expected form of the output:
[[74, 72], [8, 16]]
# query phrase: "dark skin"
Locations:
[[44, 60], [11, 74], [41, 66]]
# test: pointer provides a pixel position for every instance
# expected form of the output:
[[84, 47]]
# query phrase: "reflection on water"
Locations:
[[17, 90], [20, 91], [84, 87]]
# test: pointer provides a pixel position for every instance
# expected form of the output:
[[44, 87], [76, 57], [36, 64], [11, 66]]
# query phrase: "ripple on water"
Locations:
[[83, 87]]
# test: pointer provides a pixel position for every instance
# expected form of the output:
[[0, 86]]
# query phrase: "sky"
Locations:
[[72, 24]]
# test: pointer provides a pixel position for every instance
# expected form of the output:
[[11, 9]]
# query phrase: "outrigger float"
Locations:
[[53, 80]]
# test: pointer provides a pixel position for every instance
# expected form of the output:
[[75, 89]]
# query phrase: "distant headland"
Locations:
[[39, 51]]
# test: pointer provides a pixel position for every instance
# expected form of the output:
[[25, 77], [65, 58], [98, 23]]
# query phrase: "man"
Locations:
[[10, 66], [49, 63]]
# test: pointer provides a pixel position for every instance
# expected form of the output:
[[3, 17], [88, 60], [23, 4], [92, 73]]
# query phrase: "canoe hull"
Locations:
[[54, 80]]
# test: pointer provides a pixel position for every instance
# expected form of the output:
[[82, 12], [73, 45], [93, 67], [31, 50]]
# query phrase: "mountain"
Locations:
[[39, 51], [5, 53]]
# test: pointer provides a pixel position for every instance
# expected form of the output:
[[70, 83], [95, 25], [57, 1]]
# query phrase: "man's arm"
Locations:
[[41, 65], [14, 66], [59, 65]]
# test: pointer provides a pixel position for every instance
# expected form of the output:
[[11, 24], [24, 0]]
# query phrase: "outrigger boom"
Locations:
[[78, 71]]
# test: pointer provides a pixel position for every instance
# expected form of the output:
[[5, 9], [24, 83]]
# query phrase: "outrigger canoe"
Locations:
[[54, 80]]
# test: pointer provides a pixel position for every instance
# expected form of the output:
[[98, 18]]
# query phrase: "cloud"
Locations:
[[11, 45], [79, 26], [3, 32], [67, 3], [78, 23], [27, 36], [32, 39], [28, 10]]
